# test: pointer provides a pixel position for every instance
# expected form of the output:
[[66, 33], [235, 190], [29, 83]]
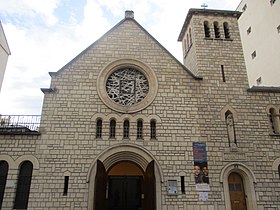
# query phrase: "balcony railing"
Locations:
[[19, 124]]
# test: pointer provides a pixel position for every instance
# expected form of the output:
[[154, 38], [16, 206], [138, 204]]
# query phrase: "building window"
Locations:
[[244, 8], [153, 129], [207, 29], [249, 30], [99, 128], [279, 170], [278, 29], [217, 30], [183, 185], [226, 30], [254, 54], [272, 2], [66, 184], [139, 129], [126, 129], [23, 185], [113, 129], [223, 73], [274, 121], [4, 167]]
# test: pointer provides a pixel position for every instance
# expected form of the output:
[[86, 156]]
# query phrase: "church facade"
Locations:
[[126, 126]]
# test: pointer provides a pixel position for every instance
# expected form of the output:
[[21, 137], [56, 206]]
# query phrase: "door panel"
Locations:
[[236, 191], [150, 187], [124, 192]]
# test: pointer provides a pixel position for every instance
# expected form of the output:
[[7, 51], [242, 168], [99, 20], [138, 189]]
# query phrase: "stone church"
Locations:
[[126, 126]]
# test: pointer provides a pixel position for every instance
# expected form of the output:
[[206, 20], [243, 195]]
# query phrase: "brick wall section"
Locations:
[[189, 110]]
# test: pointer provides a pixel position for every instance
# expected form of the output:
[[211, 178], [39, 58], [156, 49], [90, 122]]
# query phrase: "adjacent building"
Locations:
[[126, 126], [4, 54], [259, 27]]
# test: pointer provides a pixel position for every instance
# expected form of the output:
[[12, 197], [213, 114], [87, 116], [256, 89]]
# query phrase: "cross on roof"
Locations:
[[204, 5]]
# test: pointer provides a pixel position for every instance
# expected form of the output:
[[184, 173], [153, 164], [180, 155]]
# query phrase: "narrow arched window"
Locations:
[[217, 30], [126, 129], [4, 167], [226, 30], [153, 129], [207, 29], [139, 129], [113, 129], [23, 185], [274, 121], [190, 32], [99, 128]]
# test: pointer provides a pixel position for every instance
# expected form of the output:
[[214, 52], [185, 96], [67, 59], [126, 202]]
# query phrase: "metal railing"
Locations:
[[19, 123]]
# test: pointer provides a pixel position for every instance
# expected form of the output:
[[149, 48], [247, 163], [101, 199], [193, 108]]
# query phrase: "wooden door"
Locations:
[[100, 187], [124, 192], [150, 187], [236, 192]]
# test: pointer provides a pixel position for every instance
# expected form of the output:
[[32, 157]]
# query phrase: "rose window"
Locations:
[[127, 86]]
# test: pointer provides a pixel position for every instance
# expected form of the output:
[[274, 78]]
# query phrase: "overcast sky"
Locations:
[[44, 35]]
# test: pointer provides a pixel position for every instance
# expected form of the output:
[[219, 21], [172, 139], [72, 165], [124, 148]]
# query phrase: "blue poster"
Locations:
[[201, 171]]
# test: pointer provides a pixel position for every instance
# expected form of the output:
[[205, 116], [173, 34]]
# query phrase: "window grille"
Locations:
[[153, 129], [139, 129], [113, 129], [126, 129], [99, 128]]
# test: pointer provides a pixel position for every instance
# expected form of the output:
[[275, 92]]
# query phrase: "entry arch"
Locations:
[[249, 180], [125, 152]]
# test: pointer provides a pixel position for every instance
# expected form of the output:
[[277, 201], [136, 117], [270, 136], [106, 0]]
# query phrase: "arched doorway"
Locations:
[[236, 192], [113, 156], [125, 186], [236, 177]]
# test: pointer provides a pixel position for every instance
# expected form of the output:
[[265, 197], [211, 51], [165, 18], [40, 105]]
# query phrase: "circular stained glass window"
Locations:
[[127, 86]]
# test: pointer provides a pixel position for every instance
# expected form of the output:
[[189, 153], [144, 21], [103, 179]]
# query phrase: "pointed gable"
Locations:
[[127, 39]]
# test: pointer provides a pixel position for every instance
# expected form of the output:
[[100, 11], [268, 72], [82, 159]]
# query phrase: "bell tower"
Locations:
[[212, 47]]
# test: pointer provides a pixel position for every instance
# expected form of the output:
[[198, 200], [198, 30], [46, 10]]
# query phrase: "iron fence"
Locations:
[[19, 123]]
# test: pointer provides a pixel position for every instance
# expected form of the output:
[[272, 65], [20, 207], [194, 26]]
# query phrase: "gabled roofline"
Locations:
[[6, 46], [193, 11], [52, 74]]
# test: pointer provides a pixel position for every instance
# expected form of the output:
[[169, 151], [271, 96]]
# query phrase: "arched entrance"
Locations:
[[125, 186], [236, 192], [125, 177], [238, 182]]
